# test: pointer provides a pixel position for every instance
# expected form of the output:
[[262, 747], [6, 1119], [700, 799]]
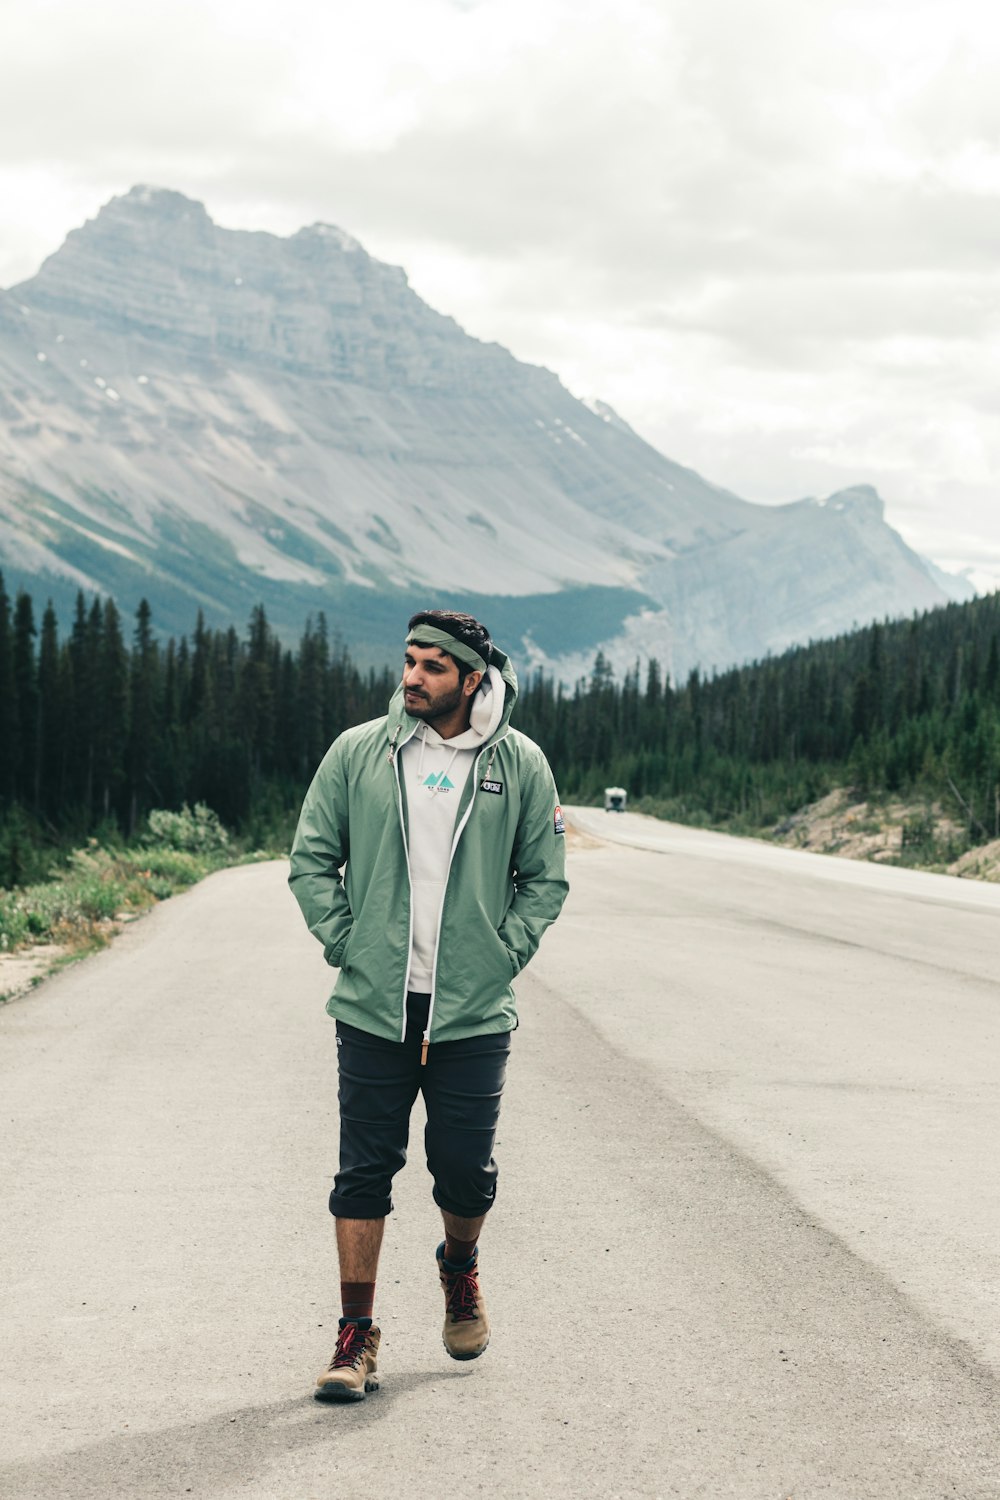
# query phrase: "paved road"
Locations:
[[748, 1242]]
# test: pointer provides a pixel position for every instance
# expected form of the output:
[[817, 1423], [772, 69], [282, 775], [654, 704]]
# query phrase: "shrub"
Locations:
[[76, 905], [14, 923], [196, 830]]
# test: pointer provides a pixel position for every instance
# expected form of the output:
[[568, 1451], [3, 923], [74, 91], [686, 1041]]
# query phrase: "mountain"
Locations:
[[212, 418]]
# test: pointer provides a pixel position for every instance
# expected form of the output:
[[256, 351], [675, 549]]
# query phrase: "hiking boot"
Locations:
[[466, 1321], [351, 1373]]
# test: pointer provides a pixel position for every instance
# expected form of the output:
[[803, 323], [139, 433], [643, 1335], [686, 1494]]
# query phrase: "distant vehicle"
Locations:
[[615, 798]]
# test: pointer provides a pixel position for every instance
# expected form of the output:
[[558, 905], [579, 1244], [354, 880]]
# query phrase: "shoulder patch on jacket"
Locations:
[[560, 826], [493, 786]]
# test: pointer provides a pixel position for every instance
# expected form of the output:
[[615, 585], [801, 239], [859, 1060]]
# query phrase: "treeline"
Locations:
[[909, 706], [101, 725]]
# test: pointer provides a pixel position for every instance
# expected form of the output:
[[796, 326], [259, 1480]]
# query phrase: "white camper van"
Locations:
[[615, 798]]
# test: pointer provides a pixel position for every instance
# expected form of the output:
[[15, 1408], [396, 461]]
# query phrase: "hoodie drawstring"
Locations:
[[489, 763], [420, 763]]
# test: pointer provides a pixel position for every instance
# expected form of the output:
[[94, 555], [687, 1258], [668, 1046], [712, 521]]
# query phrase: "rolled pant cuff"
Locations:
[[343, 1207], [462, 1210]]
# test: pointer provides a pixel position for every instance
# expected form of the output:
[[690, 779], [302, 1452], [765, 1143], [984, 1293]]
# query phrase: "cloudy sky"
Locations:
[[766, 231]]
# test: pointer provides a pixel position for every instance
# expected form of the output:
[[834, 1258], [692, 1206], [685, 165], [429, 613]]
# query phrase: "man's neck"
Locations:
[[453, 724]]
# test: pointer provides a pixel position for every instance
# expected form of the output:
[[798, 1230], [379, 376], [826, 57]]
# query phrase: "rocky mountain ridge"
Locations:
[[209, 417]]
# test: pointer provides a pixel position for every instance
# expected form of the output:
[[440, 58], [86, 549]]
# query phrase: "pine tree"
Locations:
[[111, 731], [27, 769], [144, 727], [54, 713], [257, 694], [9, 730]]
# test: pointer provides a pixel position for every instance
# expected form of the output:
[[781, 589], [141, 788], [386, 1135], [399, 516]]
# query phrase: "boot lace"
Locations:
[[463, 1292], [350, 1347]]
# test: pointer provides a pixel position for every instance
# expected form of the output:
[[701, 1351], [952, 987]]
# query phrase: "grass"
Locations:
[[80, 908]]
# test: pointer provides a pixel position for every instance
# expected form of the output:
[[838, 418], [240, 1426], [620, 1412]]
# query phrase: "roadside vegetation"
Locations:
[[92, 890], [920, 834]]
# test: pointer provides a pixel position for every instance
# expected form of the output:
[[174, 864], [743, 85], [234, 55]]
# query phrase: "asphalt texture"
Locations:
[[747, 1239]]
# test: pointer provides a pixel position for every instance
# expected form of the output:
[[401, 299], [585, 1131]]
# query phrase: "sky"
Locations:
[[767, 232]]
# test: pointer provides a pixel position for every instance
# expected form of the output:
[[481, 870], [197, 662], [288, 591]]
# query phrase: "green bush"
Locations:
[[77, 904], [195, 830], [14, 922]]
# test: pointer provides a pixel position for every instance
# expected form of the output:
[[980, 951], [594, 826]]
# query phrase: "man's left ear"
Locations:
[[475, 678]]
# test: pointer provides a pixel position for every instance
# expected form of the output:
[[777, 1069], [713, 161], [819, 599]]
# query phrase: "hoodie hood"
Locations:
[[492, 706]]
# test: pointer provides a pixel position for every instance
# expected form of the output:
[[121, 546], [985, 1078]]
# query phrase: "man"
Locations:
[[449, 825]]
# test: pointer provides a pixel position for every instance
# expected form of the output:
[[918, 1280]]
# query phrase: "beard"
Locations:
[[437, 708]]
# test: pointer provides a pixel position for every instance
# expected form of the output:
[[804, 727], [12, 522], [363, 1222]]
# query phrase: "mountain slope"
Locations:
[[210, 417]]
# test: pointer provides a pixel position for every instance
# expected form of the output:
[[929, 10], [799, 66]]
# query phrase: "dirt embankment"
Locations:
[[924, 835], [22, 970]]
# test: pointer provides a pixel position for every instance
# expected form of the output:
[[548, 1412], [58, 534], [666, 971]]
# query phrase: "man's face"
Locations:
[[431, 686]]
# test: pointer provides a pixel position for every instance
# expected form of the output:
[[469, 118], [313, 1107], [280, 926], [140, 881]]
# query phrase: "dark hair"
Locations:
[[464, 628]]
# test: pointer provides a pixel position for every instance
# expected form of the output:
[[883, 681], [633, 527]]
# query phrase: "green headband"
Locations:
[[429, 635]]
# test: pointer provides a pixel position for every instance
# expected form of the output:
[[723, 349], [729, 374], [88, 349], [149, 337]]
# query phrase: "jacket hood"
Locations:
[[500, 677]]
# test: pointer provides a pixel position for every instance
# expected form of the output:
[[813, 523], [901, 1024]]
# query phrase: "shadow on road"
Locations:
[[229, 1448]]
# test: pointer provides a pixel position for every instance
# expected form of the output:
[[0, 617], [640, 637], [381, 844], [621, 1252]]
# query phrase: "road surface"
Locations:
[[747, 1242]]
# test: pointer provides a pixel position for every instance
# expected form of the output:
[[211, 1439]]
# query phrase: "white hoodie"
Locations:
[[435, 771]]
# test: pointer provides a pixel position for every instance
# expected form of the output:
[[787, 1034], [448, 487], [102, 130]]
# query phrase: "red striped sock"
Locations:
[[357, 1299]]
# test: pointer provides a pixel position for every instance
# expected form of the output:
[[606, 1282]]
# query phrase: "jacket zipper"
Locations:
[[425, 1043], [393, 761]]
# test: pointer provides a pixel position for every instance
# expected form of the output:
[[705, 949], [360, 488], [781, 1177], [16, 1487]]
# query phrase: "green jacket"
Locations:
[[505, 885]]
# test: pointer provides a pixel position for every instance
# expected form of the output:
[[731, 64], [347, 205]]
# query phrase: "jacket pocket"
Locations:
[[337, 952], [506, 963]]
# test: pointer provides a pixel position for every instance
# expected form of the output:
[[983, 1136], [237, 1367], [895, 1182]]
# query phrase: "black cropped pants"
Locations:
[[379, 1081]]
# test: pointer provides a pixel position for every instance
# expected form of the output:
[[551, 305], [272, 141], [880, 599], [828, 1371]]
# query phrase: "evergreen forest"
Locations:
[[105, 721], [908, 707]]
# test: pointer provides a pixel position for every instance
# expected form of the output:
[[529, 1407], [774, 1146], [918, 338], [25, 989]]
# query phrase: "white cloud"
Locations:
[[767, 233]]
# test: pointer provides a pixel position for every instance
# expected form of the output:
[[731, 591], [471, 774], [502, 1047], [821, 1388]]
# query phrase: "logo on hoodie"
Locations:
[[438, 782]]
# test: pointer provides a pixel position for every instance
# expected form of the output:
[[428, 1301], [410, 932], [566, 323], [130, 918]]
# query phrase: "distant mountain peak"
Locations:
[[145, 205], [148, 195], [334, 236], [860, 499], [153, 261], [210, 417]]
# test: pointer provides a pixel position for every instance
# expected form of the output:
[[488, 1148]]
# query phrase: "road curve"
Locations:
[[745, 1243]]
